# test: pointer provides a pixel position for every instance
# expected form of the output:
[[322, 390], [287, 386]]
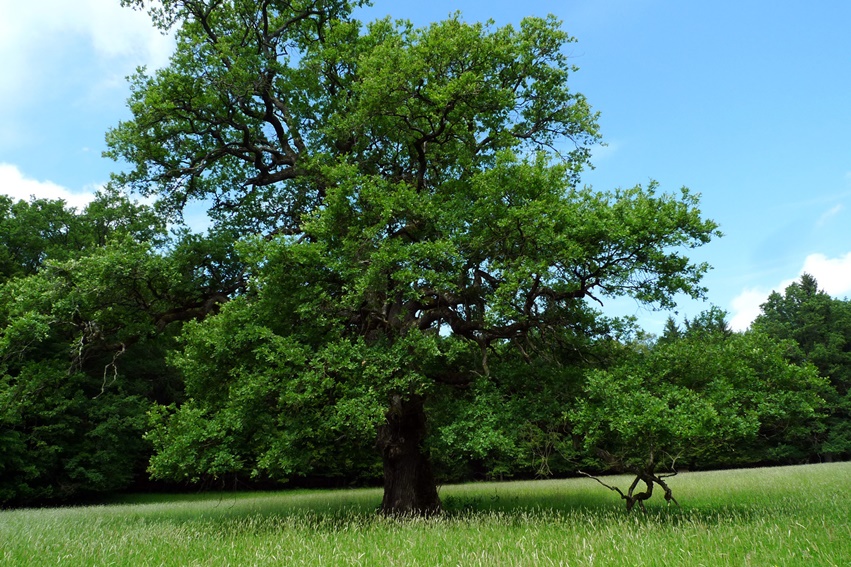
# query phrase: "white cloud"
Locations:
[[745, 307], [36, 35], [832, 274], [17, 186]]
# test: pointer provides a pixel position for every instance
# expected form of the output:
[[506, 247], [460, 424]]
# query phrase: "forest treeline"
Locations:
[[101, 339]]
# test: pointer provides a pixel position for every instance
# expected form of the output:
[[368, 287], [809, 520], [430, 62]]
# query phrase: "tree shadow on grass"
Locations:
[[337, 509], [603, 506]]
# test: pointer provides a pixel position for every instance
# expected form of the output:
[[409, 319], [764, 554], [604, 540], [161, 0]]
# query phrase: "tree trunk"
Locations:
[[409, 485]]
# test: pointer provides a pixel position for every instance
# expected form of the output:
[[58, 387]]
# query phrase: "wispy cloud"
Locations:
[[829, 214], [604, 151], [16, 185], [833, 276]]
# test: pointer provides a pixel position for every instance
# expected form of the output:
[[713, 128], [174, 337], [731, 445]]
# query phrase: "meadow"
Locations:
[[769, 516]]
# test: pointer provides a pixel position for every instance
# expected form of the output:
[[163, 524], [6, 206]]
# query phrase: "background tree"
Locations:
[[85, 322], [820, 327], [708, 397], [417, 191], [671, 331], [32, 232]]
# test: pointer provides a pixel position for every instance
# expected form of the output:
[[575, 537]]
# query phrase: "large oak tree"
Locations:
[[415, 197]]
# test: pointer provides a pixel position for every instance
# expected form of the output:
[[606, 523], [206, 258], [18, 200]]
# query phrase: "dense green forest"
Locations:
[[402, 280]]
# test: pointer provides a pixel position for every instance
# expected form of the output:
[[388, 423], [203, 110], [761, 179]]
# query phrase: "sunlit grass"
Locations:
[[778, 516]]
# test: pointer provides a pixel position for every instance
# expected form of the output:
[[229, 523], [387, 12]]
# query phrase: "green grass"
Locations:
[[777, 516]]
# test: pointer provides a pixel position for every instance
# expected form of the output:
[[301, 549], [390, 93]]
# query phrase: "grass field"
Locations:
[[774, 516]]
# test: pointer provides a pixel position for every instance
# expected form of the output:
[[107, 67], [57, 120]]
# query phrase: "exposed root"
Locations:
[[632, 497]]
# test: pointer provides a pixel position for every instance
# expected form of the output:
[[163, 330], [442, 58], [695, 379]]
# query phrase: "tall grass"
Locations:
[[777, 516]]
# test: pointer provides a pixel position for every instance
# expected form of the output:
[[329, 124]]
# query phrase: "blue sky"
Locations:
[[747, 103]]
